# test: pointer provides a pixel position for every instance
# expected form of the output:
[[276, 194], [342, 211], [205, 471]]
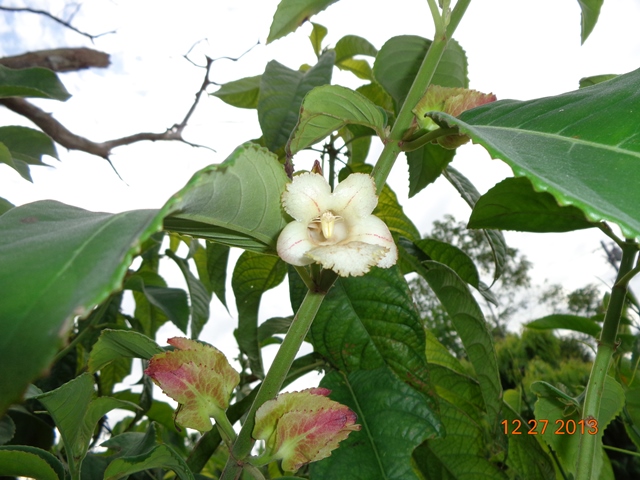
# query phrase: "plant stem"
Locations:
[[273, 380], [606, 346]]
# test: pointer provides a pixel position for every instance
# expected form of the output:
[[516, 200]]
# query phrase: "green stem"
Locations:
[[606, 347], [621, 450], [273, 380], [420, 83], [426, 138], [225, 428]]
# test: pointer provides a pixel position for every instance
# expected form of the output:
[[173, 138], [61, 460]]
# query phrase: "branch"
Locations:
[[59, 59], [55, 19]]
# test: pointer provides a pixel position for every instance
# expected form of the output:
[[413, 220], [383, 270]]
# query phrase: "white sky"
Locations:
[[516, 49]]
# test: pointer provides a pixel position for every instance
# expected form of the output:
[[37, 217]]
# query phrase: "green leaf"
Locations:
[[253, 275], [513, 204], [426, 164], [14, 463], [58, 262], [590, 11], [469, 322], [317, 35], [170, 301], [560, 414], [391, 213], [114, 344], [595, 79], [567, 322], [351, 45], [236, 203], [42, 455], [7, 429], [370, 322], [329, 108], [132, 443], [271, 327], [217, 260], [281, 94], [452, 257], [578, 146], [31, 82], [27, 144], [360, 68], [5, 205], [470, 194], [162, 456], [399, 60], [199, 297], [76, 412], [241, 93], [395, 419], [290, 14]]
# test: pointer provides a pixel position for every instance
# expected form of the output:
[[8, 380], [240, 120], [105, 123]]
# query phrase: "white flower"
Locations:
[[335, 229]]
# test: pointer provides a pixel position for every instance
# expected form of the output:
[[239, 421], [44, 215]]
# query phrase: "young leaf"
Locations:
[[578, 146], [317, 35], [281, 94], [114, 344], [513, 204], [395, 419], [329, 108], [595, 79], [235, 203], [348, 47], [162, 456], [590, 11], [567, 322], [253, 275], [290, 14], [31, 82], [80, 258], [242, 93]]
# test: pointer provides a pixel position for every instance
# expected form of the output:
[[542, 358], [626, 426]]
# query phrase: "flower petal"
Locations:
[[374, 231], [349, 259], [354, 197], [307, 197], [294, 243]]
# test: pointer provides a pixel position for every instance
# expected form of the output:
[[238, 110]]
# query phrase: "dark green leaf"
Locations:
[[273, 326], [317, 35], [14, 463], [451, 256], [48, 458], [114, 344], [579, 146], [513, 204], [235, 203], [293, 13], [199, 297], [351, 45], [171, 301], [7, 429], [469, 322], [329, 108], [369, 322], [395, 419], [27, 144], [567, 322], [159, 412], [241, 93], [400, 58], [31, 82], [5, 205], [217, 260], [590, 11], [162, 456], [281, 94], [253, 275], [426, 164], [391, 212], [595, 79], [470, 195], [58, 262], [132, 443]]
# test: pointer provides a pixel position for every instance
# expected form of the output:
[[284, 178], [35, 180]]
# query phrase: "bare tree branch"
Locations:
[[59, 59], [55, 19]]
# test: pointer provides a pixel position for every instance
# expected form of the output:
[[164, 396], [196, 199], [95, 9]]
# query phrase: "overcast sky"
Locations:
[[516, 49]]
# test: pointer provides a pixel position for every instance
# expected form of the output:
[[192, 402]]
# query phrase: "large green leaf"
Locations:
[[513, 204], [590, 11], [49, 458], [162, 456], [399, 60], [253, 275], [293, 13], [76, 412], [57, 262], [568, 322], [469, 322], [114, 344], [281, 94], [327, 109], [369, 322], [241, 93], [31, 82], [581, 146], [16, 463], [235, 203], [395, 419], [25, 146]]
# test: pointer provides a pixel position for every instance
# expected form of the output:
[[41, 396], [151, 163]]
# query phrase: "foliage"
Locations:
[[439, 388]]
